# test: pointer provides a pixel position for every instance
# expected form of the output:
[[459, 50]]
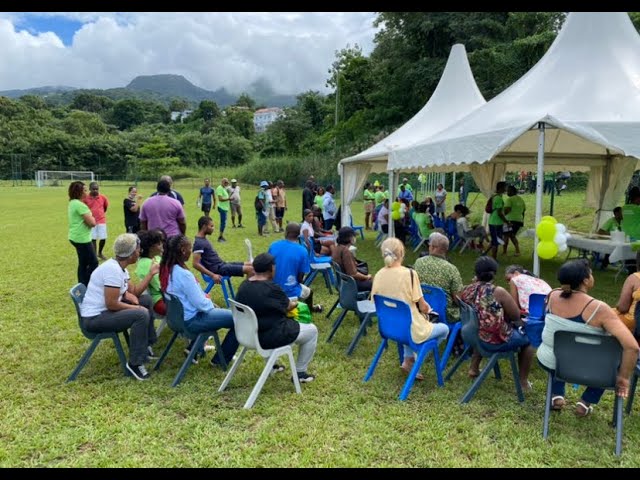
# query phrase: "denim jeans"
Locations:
[[215, 319], [223, 220]]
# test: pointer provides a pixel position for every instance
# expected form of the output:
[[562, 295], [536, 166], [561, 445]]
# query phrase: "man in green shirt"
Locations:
[[434, 269], [497, 219], [614, 223], [514, 209], [223, 206]]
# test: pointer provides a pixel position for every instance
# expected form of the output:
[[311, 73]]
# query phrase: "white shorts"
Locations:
[[306, 291], [99, 232]]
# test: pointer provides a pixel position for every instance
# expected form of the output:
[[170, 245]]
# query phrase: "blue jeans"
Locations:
[[515, 342], [215, 319], [439, 333], [223, 220]]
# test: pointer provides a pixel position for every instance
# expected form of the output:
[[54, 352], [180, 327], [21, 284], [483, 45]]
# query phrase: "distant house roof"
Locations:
[[268, 110]]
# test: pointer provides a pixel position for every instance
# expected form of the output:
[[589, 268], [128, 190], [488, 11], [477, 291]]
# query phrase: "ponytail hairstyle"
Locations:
[[172, 256], [392, 249], [486, 269], [571, 275]]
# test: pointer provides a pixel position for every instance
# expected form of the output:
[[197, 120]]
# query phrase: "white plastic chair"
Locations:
[[466, 241], [247, 243], [246, 328]]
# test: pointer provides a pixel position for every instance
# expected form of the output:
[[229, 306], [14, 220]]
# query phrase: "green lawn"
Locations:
[[104, 419]]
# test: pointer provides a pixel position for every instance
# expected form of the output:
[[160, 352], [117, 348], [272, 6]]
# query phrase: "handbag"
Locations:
[[362, 267]]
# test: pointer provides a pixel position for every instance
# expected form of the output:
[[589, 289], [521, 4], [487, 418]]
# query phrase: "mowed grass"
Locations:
[[104, 419]]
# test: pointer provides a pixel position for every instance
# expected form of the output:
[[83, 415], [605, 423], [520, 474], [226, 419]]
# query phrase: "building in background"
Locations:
[[180, 115], [265, 116]]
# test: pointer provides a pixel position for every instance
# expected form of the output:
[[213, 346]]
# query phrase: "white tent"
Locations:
[[455, 96], [584, 92]]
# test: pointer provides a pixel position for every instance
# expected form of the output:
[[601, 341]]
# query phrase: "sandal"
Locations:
[[558, 402], [407, 370], [583, 410]]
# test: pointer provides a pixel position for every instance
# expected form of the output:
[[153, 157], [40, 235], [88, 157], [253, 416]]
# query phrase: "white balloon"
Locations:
[[563, 247], [560, 228], [567, 235], [560, 239]]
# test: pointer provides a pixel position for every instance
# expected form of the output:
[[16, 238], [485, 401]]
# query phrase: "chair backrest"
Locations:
[[536, 305], [394, 319], [436, 298], [460, 230], [77, 295], [247, 243], [452, 230], [348, 292], [245, 324], [587, 359], [469, 320], [175, 313], [337, 269], [636, 331]]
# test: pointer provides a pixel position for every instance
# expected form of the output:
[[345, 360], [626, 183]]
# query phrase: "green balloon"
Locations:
[[547, 250], [396, 206], [548, 218], [395, 215], [546, 231]]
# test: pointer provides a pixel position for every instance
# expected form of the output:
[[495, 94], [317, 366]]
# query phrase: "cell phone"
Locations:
[[434, 317]]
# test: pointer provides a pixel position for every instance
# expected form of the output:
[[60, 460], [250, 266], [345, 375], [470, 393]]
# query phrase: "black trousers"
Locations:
[[87, 261]]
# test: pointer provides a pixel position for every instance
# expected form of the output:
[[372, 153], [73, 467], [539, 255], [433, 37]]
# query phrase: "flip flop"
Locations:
[[406, 371], [583, 410], [559, 404]]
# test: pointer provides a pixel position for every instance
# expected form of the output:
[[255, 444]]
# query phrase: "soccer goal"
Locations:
[[56, 178]]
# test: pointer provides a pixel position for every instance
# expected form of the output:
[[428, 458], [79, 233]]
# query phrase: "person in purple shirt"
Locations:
[[163, 212]]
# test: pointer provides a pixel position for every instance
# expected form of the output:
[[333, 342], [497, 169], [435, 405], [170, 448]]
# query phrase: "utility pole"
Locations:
[[337, 95]]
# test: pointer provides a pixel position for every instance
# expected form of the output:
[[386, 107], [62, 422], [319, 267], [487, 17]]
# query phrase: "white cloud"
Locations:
[[293, 51]]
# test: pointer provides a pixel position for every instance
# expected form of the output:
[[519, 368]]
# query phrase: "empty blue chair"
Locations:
[[356, 228], [175, 320], [437, 299], [227, 287], [394, 323], [537, 303], [77, 295]]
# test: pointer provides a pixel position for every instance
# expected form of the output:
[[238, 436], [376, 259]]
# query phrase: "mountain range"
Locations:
[[161, 88]]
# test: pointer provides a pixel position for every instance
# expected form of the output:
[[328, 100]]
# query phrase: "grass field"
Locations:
[[106, 420]]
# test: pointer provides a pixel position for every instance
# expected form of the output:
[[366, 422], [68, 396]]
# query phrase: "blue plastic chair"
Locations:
[[537, 303], [452, 232], [394, 322], [364, 309], [227, 287], [356, 228], [437, 299], [77, 295], [175, 320], [469, 332], [321, 264]]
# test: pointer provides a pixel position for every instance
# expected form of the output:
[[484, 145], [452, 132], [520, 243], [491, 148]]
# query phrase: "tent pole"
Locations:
[[392, 190], [539, 180]]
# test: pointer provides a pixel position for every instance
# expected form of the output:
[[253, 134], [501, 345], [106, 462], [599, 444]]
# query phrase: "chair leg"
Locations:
[[634, 384], [411, 378], [327, 280], [463, 357], [437, 364], [547, 407], [121, 355], [496, 371], [84, 359], [478, 381], [232, 371], [219, 353], [336, 324], [294, 372], [619, 404], [161, 327], [374, 362], [359, 333], [266, 371], [516, 377], [197, 345], [335, 305], [166, 351], [310, 278], [453, 334], [225, 293]]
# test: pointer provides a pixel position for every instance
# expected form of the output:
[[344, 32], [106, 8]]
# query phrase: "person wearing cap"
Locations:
[[234, 201], [223, 207], [262, 207], [271, 304], [343, 256], [112, 303], [497, 314]]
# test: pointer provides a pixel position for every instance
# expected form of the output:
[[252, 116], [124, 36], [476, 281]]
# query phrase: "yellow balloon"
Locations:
[[395, 215], [546, 231], [547, 250], [548, 218], [395, 206]]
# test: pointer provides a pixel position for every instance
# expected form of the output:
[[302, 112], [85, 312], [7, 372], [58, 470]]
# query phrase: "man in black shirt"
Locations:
[[308, 196], [131, 206]]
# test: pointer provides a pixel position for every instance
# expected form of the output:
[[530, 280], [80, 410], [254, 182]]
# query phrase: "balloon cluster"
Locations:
[[553, 237], [395, 211]]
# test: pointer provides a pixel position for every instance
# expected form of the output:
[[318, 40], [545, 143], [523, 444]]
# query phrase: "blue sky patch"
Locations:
[[62, 27]]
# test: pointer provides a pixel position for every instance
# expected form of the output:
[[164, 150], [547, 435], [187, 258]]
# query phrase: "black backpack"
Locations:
[[258, 203]]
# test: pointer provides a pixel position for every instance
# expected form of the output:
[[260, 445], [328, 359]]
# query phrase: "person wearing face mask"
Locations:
[[343, 256], [131, 205]]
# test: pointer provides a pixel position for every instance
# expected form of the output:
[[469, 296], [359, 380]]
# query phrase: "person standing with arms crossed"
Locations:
[[80, 223], [98, 204], [131, 205], [223, 206]]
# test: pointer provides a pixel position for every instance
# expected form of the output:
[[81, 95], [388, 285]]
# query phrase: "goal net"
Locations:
[[55, 178]]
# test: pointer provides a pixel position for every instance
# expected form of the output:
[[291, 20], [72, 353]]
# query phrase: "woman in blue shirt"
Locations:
[[200, 314]]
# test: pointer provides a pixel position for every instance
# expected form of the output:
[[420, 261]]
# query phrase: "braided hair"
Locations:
[[172, 256]]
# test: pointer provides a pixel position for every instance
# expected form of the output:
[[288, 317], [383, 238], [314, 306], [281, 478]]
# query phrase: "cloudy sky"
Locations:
[[105, 50]]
